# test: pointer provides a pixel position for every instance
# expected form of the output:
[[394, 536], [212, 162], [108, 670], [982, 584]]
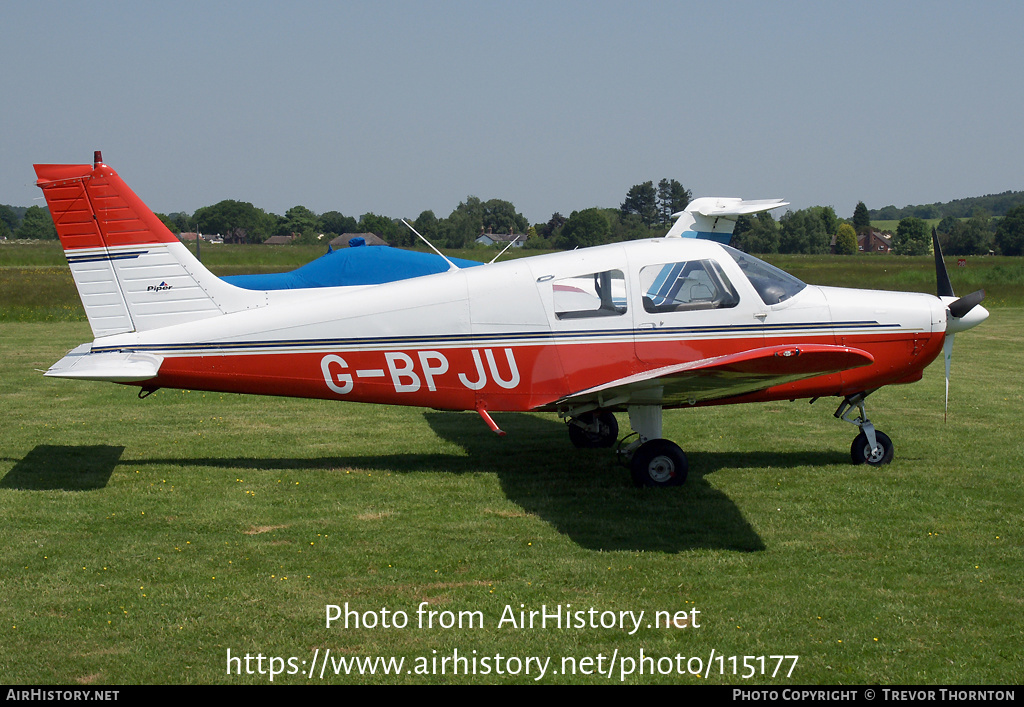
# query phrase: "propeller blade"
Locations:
[[947, 350], [958, 309], [945, 289], [965, 304]]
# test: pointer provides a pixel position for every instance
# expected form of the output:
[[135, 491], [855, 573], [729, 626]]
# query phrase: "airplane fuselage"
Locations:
[[524, 334], [635, 327]]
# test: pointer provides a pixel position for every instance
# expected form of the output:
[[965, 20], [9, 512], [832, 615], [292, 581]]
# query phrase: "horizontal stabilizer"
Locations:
[[731, 207], [714, 217], [116, 367]]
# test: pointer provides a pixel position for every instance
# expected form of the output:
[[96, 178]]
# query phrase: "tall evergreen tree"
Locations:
[[861, 219], [672, 198], [642, 200]]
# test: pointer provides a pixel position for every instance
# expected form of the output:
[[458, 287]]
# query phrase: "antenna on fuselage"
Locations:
[[452, 266], [510, 243]]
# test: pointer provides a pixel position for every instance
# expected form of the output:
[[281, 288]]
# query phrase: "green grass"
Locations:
[[1002, 278], [143, 539], [892, 224]]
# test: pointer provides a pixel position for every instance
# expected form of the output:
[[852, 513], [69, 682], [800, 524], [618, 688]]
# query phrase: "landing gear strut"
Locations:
[[652, 461], [593, 429], [659, 462], [870, 446]]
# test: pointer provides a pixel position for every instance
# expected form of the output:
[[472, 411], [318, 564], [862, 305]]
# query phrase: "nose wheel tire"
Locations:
[[861, 452], [659, 462]]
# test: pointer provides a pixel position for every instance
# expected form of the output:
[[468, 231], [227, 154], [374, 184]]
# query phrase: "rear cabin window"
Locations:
[[680, 287], [598, 294]]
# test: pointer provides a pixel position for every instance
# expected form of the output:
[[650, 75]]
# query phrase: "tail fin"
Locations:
[[131, 272], [713, 218]]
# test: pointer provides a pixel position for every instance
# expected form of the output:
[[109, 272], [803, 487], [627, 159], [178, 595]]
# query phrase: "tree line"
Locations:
[[645, 212], [816, 230], [994, 204], [33, 222]]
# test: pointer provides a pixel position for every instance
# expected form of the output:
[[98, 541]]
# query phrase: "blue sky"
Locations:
[[398, 107]]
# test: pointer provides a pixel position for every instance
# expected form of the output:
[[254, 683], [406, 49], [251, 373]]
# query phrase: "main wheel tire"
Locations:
[[659, 462], [605, 437], [861, 452]]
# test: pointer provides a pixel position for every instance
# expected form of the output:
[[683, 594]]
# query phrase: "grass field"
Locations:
[[893, 224], [144, 539]]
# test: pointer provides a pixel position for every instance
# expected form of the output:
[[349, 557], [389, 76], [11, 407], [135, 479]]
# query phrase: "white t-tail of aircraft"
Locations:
[[714, 218]]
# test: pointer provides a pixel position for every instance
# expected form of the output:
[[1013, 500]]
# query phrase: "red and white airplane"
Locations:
[[632, 327]]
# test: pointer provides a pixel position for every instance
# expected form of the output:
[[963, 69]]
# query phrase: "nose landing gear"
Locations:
[[655, 461], [870, 446]]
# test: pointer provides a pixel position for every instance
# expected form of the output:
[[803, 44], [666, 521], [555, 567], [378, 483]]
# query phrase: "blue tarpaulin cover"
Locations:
[[366, 265]]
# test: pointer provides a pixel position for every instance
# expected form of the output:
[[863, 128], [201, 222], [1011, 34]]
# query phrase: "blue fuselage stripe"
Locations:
[[512, 338]]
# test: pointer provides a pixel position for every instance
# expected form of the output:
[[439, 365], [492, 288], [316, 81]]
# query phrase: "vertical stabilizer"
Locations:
[[131, 272]]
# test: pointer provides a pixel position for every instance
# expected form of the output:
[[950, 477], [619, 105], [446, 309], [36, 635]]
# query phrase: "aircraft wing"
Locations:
[[721, 377]]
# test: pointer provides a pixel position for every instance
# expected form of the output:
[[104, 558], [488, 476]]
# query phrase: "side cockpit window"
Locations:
[[599, 294], [679, 287], [772, 284]]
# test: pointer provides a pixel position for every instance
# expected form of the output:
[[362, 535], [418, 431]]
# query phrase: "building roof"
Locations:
[[279, 240], [876, 241], [504, 237], [370, 239]]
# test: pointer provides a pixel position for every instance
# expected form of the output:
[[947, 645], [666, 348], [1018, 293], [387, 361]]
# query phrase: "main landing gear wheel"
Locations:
[[862, 453], [598, 430], [659, 462]]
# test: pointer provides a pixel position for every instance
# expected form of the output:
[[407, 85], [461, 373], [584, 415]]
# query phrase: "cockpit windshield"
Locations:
[[772, 284]]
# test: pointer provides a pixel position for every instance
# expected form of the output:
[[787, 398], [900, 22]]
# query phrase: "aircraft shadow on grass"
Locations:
[[584, 494], [51, 467]]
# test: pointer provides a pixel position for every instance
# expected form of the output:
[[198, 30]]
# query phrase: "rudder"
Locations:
[[131, 272]]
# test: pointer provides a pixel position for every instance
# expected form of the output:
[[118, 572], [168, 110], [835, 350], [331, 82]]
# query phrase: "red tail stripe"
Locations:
[[94, 208]]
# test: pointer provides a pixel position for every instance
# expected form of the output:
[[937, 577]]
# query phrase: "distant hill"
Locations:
[[993, 204]]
